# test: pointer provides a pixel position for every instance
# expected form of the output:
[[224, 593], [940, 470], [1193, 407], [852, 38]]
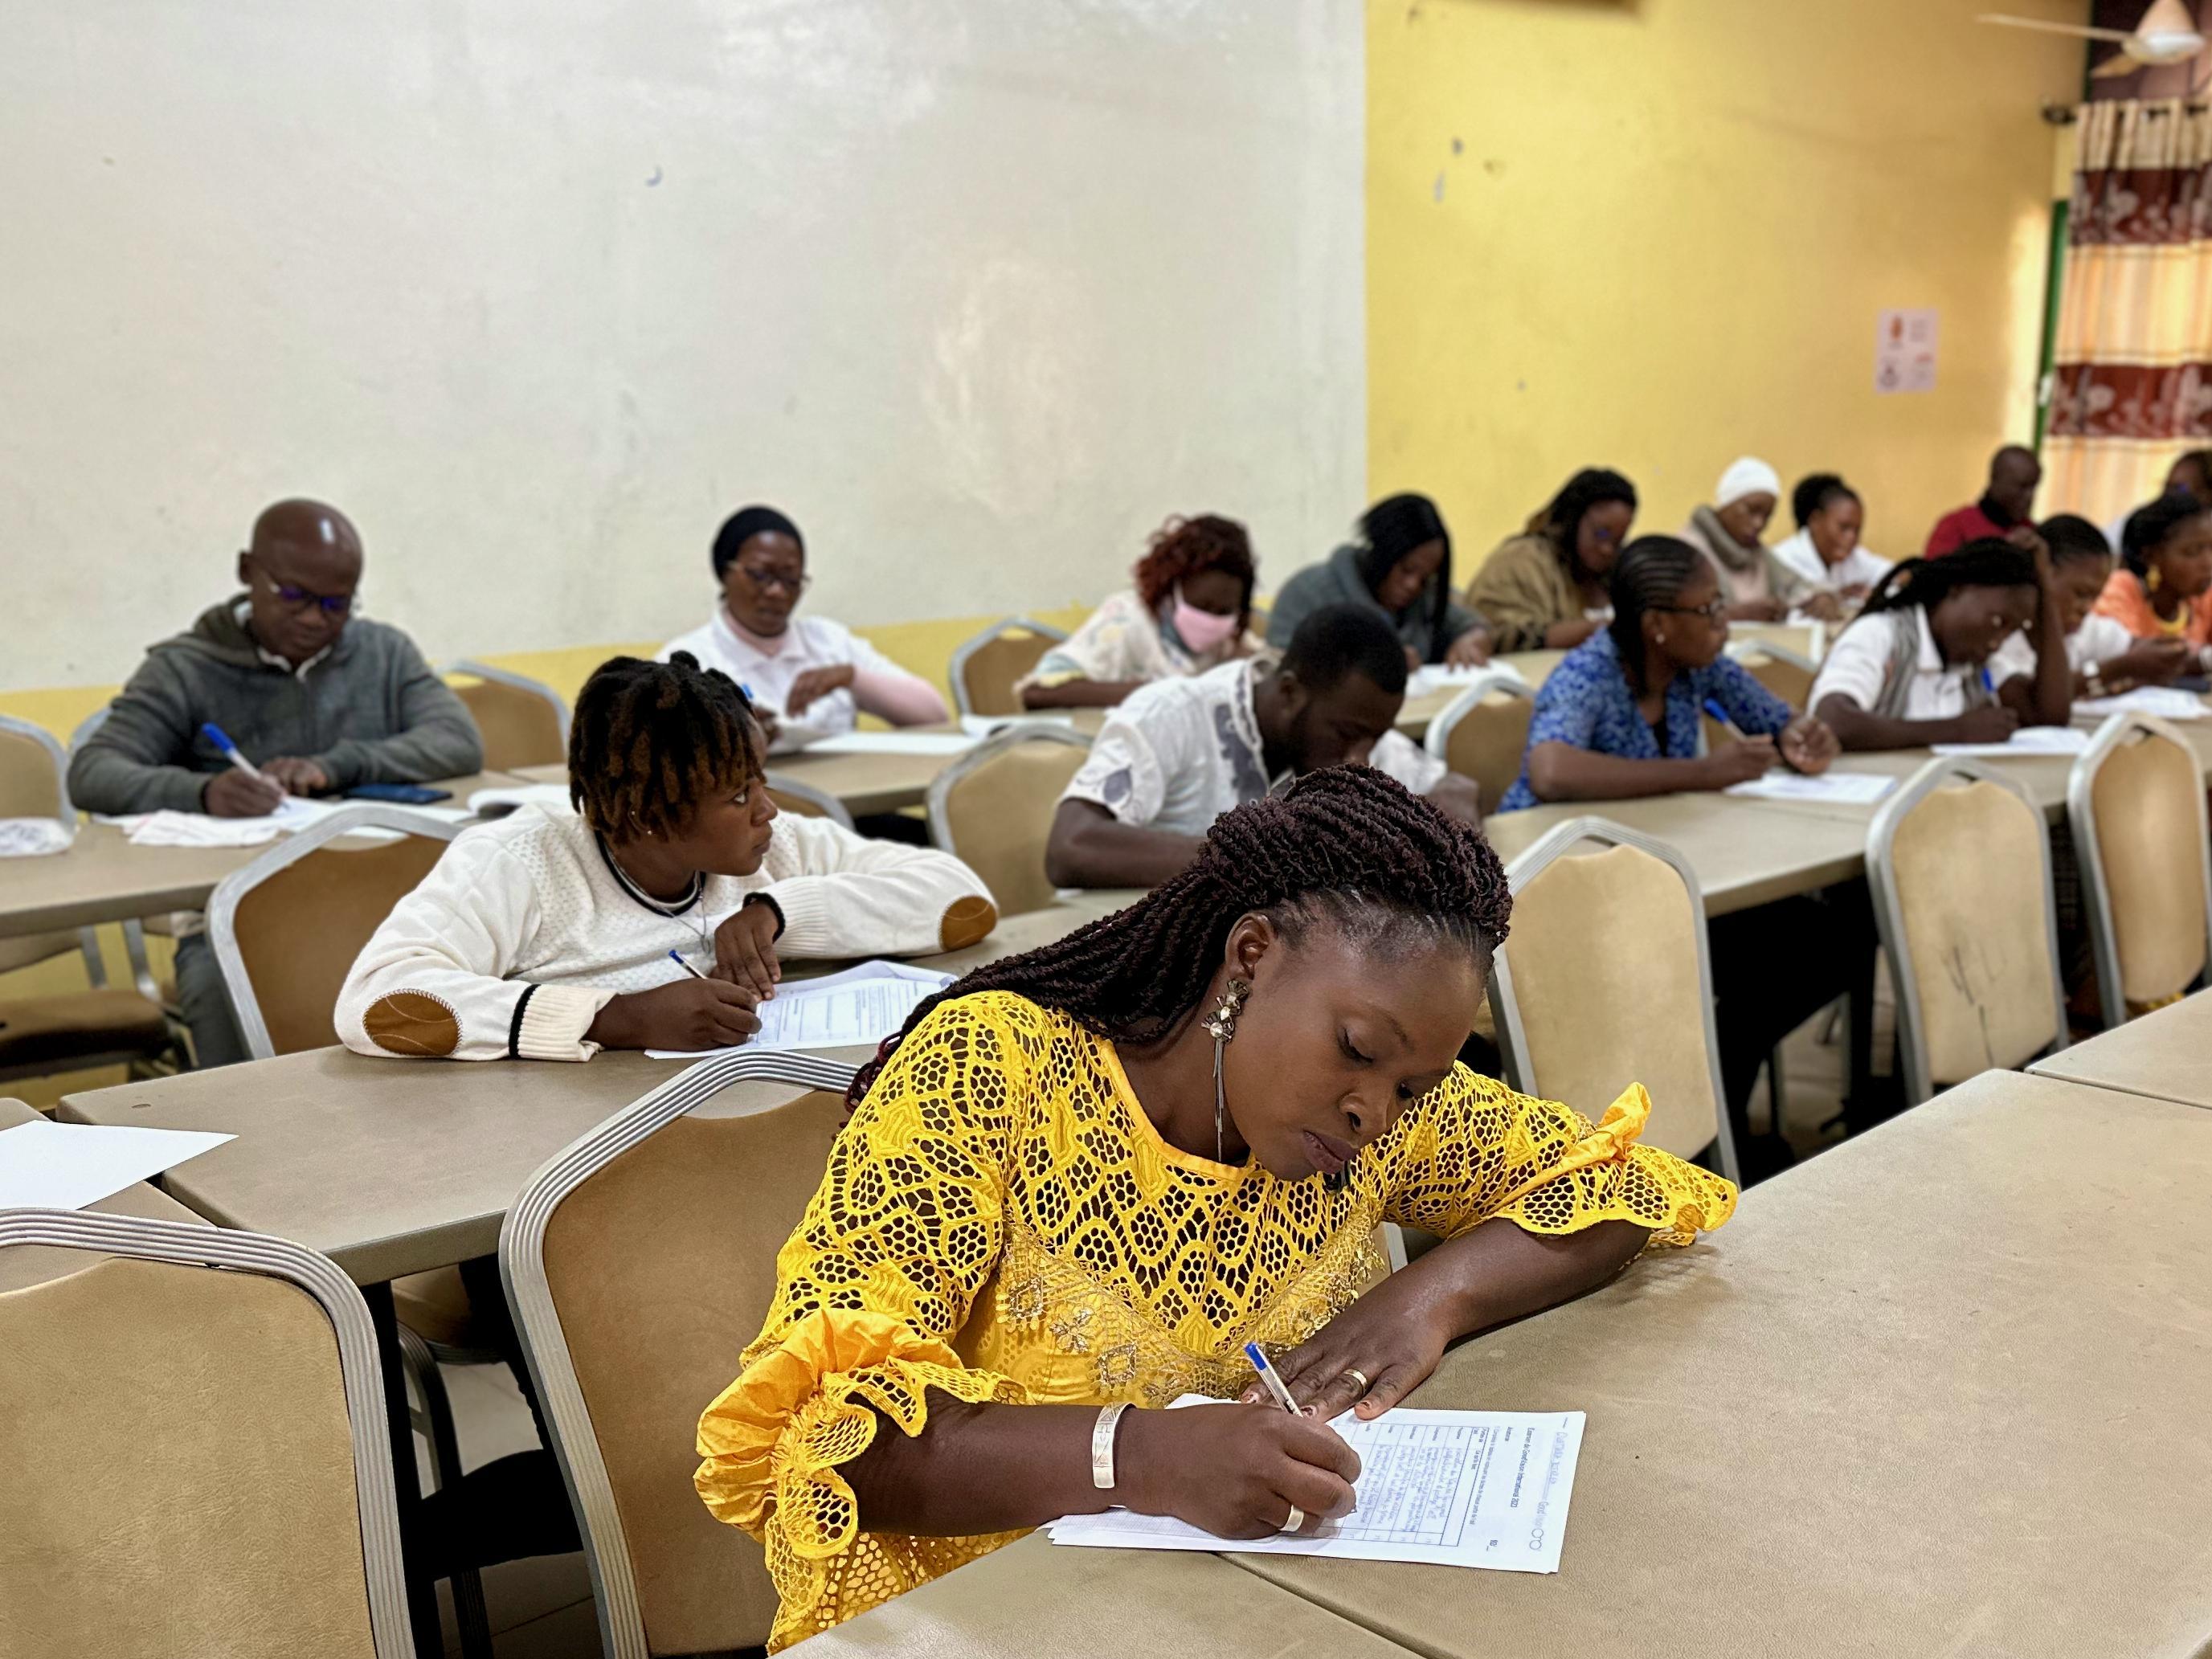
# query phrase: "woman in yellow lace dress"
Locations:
[[1083, 1178]]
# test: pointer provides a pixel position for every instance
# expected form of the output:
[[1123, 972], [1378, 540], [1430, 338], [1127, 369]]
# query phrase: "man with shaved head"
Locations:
[[317, 698], [2006, 512]]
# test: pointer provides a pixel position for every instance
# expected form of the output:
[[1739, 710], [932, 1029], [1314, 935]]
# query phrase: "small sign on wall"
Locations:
[[1905, 351]]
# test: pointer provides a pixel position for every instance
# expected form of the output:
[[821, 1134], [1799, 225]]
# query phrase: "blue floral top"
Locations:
[[1589, 702]]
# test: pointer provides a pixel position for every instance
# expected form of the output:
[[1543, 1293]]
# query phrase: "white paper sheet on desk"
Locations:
[[862, 1004], [985, 726], [893, 742], [31, 838], [2028, 741], [66, 1166], [168, 829], [1841, 788], [1437, 678], [1458, 1489], [2163, 701]]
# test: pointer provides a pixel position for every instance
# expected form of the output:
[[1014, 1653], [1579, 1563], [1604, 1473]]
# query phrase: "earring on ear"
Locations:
[[1222, 1026], [2155, 581]]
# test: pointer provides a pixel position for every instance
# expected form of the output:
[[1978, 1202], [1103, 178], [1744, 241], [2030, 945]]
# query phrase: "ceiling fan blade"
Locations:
[[2080, 31]]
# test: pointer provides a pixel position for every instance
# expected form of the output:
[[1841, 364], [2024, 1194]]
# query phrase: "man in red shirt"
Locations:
[[2006, 506]]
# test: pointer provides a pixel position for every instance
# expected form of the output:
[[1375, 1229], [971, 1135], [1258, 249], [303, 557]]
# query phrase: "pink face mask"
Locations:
[[1201, 631]]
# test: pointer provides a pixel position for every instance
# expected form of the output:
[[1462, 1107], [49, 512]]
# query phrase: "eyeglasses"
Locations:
[[299, 598], [1715, 612], [761, 578]]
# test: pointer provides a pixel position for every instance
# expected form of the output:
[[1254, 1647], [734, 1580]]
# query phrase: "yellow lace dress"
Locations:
[[1000, 1221]]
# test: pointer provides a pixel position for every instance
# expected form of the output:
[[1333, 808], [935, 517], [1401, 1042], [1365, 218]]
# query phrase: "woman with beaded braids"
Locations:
[[548, 934], [1083, 1178]]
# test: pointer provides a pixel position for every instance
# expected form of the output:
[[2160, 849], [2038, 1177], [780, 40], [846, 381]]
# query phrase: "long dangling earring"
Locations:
[[2154, 582], [1223, 1026]]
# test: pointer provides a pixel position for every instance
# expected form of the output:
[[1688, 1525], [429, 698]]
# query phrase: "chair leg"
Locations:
[[437, 1420], [1777, 1100]]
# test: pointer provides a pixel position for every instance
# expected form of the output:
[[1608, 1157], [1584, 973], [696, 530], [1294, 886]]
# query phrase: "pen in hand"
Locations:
[[1273, 1379], [677, 960]]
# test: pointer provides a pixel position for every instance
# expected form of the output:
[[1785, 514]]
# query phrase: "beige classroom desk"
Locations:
[[103, 877], [1930, 1392], [33, 1264], [1031, 1601], [1745, 853], [393, 1167], [1533, 666], [2166, 1056]]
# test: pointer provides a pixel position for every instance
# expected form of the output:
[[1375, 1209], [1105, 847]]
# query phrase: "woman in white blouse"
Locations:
[[1825, 550], [809, 677]]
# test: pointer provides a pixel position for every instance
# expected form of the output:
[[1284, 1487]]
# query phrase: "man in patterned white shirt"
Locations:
[[1179, 753]]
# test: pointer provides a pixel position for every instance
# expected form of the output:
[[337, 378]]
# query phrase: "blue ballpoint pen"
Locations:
[[677, 960], [1272, 1377], [216, 735]]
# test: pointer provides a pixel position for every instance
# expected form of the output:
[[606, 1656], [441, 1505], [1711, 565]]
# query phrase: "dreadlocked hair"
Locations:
[[1346, 847], [1988, 562], [1651, 572], [651, 741], [1184, 547]]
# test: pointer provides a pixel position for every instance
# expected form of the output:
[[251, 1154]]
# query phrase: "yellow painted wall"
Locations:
[[1654, 234]]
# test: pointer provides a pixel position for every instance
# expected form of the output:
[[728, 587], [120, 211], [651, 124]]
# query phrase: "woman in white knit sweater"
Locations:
[[548, 935]]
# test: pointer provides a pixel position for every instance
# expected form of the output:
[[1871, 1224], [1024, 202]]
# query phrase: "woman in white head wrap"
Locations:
[[1758, 586]]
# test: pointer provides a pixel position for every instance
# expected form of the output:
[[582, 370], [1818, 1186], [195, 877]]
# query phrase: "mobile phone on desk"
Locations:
[[398, 794]]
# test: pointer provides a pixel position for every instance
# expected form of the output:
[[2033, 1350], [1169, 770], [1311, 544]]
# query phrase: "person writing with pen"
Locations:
[[1620, 716], [1082, 1179], [289, 676], [547, 935]]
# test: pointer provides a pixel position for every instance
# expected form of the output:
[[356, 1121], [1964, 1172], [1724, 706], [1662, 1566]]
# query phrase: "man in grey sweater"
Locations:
[[318, 700]]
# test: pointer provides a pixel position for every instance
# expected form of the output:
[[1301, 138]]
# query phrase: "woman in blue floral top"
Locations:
[[1620, 717]]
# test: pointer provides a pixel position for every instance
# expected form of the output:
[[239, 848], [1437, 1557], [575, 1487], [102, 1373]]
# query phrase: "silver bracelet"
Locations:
[[1102, 1446]]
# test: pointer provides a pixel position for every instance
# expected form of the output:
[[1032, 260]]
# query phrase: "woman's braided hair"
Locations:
[[1347, 847], [1987, 562], [651, 741]]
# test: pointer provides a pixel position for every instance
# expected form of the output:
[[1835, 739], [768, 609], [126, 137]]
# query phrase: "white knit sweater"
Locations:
[[521, 934]]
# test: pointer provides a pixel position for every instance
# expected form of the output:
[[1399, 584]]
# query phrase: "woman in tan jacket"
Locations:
[[1545, 589]]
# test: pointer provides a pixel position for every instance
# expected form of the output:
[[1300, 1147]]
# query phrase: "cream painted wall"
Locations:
[[979, 290], [1655, 234]]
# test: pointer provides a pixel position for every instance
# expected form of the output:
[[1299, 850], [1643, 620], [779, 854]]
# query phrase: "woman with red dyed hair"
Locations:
[[1187, 613]]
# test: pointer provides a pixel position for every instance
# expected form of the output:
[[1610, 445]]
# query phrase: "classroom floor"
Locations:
[[541, 1608]]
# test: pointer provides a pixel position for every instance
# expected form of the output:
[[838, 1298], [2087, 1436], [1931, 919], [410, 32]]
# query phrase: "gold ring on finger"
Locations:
[[1358, 1377]]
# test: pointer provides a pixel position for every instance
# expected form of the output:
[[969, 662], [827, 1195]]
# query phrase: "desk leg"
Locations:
[[407, 1484]]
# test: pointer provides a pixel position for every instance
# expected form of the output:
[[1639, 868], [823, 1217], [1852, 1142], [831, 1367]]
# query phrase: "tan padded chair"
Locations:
[[523, 722], [70, 1030], [1958, 862], [992, 809], [986, 670], [1484, 735], [639, 1262], [1605, 981], [287, 928], [197, 1465], [2136, 803], [803, 799]]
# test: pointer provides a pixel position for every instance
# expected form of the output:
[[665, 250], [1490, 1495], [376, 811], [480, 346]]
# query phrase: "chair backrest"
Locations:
[[986, 670], [33, 773], [90, 724], [287, 928], [790, 795], [1782, 671], [639, 1262], [524, 722], [196, 1449], [1958, 861], [1484, 735], [2136, 803], [992, 809], [1605, 981]]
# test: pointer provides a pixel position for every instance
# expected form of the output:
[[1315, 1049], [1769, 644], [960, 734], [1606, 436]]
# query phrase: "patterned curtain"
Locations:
[[2134, 358]]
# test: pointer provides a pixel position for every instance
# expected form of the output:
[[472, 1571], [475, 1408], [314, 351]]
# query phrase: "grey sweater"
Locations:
[[369, 712], [1338, 581]]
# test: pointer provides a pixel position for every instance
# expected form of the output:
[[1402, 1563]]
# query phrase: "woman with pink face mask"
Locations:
[[1186, 614]]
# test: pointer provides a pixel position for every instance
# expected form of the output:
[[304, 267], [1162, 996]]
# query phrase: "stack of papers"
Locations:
[[862, 1005], [66, 1166], [1838, 788], [2162, 700], [30, 838], [1456, 1488], [167, 829], [2028, 741], [893, 742]]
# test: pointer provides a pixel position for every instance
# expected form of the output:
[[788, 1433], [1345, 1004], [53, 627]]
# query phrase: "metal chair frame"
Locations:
[[537, 1320], [1889, 908], [782, 783], [2117, 733], [191, 1246], [958, 671], [1512, 1034], [942, 786], [505, 676], [1485, 685]]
